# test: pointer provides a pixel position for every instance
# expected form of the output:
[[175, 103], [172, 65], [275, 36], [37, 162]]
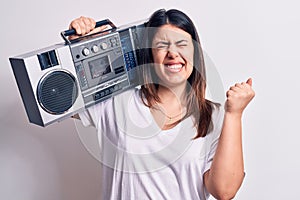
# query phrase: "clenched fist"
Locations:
[[84, 25], [239, 96]]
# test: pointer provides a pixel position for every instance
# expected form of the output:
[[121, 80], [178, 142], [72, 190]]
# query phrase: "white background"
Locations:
[[258, 39]]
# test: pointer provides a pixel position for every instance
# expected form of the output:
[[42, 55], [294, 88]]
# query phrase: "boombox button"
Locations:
[[86, 51], [103, 46], [95, 48]]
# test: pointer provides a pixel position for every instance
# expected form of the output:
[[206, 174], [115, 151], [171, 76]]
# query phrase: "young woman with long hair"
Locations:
[[165, 140]]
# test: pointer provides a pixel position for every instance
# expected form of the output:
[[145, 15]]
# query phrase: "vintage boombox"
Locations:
[[58, 81]]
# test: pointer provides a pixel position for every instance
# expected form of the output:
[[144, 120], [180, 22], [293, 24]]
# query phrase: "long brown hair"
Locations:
[[197, 105]]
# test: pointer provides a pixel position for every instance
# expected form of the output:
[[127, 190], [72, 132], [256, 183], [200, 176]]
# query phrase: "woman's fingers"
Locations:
[[84, 25], [239, 95]]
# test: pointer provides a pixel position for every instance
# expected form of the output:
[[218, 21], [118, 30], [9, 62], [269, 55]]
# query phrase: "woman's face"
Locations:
[[173, 52]]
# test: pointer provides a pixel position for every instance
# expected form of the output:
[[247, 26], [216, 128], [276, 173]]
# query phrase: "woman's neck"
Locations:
[[172, 95]]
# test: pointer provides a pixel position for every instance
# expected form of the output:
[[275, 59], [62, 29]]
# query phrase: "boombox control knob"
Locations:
[[86, 51], [95, 48], [103, 45]]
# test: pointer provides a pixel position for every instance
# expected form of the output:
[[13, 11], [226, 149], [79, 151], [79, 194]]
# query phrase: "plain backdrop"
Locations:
[[258, 39]]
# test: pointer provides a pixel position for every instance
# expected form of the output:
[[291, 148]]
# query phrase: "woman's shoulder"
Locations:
[[129, 93], [132, 95]]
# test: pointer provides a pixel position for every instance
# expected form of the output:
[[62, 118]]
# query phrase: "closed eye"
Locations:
[[162, 45], [182, 43]]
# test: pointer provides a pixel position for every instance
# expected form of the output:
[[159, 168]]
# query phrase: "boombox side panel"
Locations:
[[26, 91]]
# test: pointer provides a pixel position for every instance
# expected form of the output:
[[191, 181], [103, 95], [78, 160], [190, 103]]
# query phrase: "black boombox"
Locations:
[[58, 81]]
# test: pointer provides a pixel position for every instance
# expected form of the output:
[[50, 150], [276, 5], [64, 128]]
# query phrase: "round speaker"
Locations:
[[57, 91]]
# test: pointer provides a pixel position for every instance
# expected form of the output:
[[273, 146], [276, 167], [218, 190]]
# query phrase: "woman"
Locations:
[[165, 140]]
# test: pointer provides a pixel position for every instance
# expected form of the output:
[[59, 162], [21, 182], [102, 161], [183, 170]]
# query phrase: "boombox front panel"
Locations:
[[59, 81]]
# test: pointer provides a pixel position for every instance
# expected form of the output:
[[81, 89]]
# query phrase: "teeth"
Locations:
[[176, 66]]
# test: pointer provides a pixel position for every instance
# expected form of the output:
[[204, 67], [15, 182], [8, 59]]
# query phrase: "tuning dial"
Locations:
[[85, 51], [103, 45], [95, 48]]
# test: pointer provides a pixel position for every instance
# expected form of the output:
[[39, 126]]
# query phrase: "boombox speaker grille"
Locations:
[[57, 92]]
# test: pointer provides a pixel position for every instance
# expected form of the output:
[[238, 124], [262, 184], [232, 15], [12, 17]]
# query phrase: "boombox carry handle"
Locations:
[[70, 32]]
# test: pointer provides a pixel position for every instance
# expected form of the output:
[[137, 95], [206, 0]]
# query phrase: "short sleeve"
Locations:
[[214, 135], [85, 118], [91, 115]]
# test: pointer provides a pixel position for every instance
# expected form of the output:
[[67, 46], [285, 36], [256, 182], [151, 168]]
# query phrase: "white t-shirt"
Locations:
[[141, 161]]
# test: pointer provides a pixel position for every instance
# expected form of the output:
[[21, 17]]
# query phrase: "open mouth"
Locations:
[[174, 67]]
